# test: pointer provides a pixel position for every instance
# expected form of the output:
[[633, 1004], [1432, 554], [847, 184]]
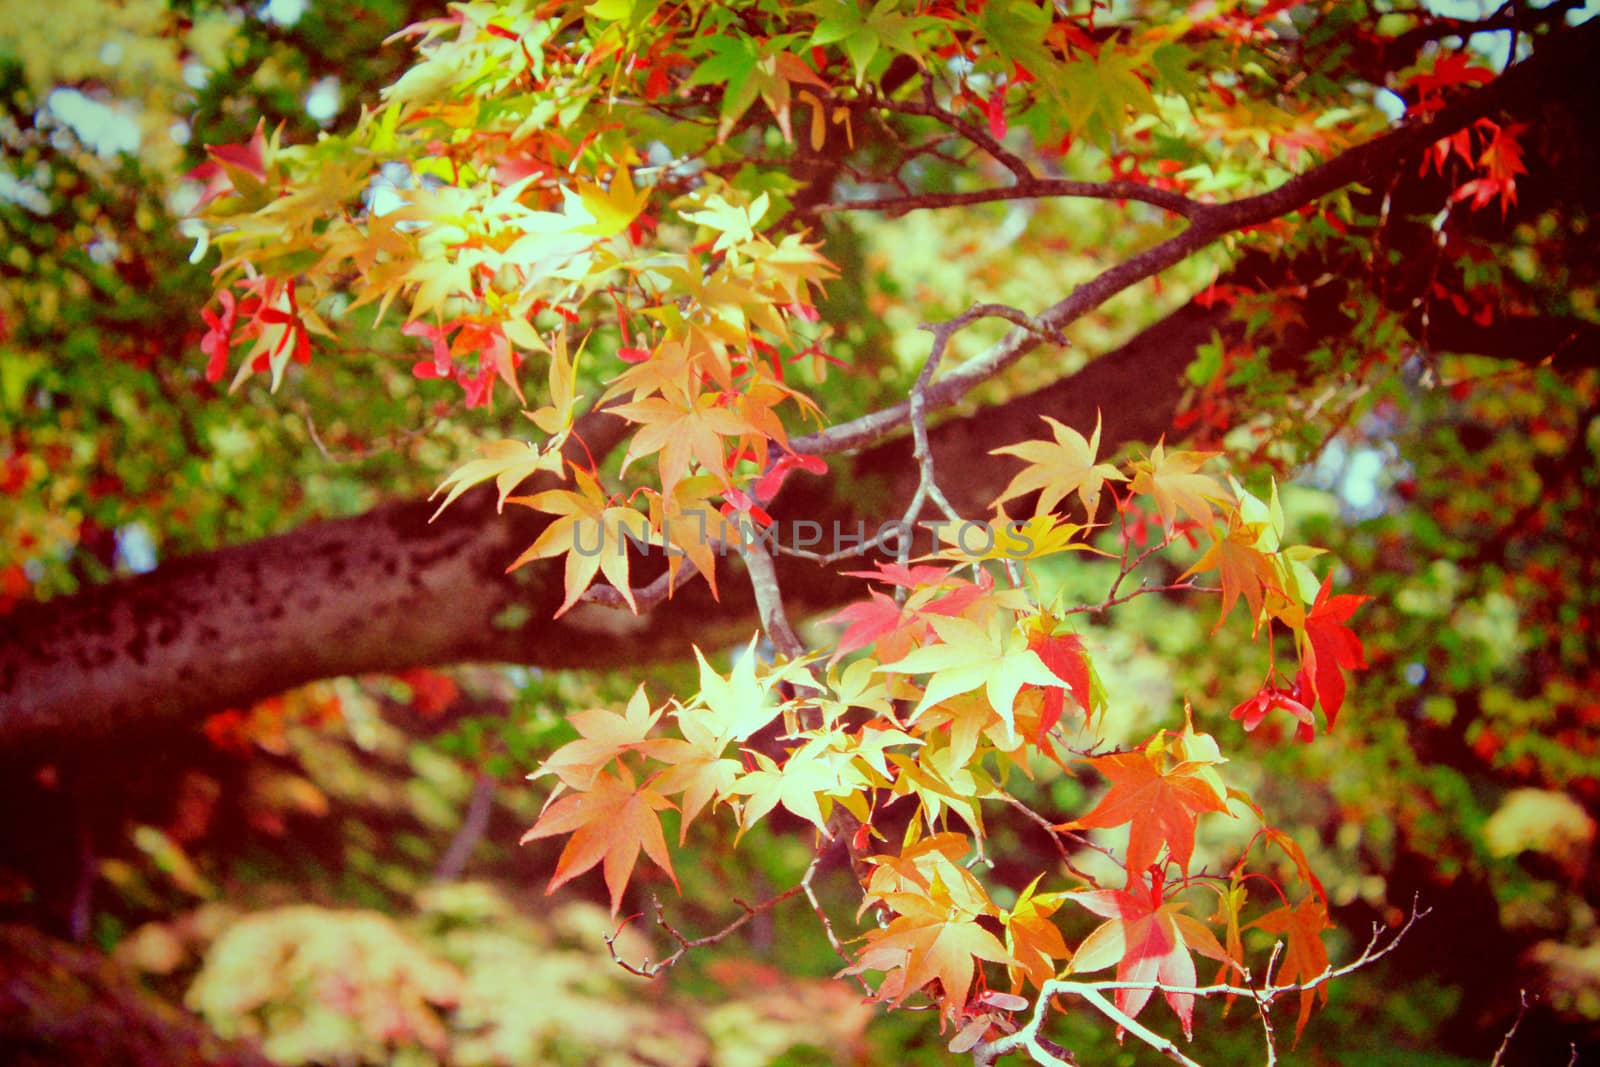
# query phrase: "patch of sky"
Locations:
[[136, 549], [109, 129], [284, 12], [25, 195], [1359, 474], [323, 100]]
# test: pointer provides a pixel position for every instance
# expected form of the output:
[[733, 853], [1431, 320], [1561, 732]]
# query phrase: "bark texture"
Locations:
[[388, 590]]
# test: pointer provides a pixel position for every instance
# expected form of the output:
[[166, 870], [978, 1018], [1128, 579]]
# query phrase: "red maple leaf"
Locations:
[[1063, 655], [901, 575], [1451, 70], [1162, 806], [867, 620], [1329, 646]]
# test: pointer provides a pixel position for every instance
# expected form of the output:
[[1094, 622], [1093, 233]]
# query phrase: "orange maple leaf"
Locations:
[[1245, 570], [935, 934], [1162, 806], [682, 431], [605, 736], [1033, 938], [1305, 957], [1177, 486], [610, 821]]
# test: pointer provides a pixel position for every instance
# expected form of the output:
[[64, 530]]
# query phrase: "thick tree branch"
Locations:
[[387, 590], [1564, 57]]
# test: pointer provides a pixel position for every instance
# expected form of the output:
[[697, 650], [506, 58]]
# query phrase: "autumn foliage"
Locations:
[[612, 218]]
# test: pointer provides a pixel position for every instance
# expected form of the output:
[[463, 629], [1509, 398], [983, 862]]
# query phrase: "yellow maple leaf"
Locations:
[[1055, 470], [1177, 486], [591, 532], [968, 656], [613, 208]]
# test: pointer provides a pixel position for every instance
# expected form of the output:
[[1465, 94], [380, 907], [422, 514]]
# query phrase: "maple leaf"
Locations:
[[854, 687], [1063, 655], [1305, 957], [733, 708], [872, 739], [682, 431], [1055, 470], [240, 168], [726, 710], [734, 223], [556, 417], [1174, 482], [808, 773], [901, 575], [941, 786], [1032, 939], [1450, 70], [924, 943], [968, 717], [1330, 645], [508, 462], [613, 209], [1296, 854], [691, 525], [920, 863], [611, 820], [865, 622], [1043, 535], [969, 656], [696, 768], [935, 934], [603, 736], [1162, 806], [1149, 942], [592, 534], [1245, 571]]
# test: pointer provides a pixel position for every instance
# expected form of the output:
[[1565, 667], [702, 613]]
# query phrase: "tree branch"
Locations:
[[1565, 56], [386, 591]]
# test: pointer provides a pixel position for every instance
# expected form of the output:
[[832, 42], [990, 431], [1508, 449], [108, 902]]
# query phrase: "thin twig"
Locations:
[[647, 969], [1559, 59], [1505, 1042], [986, 1053], [1054, 834], [929, 108], [355, 455]]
